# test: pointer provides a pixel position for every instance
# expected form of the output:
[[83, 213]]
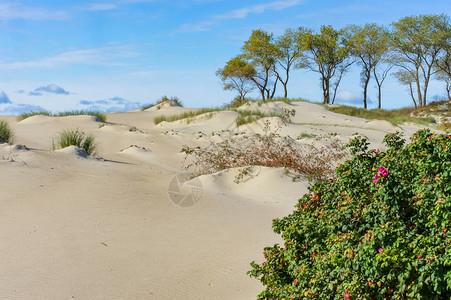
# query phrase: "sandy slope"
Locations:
[[77, 227]]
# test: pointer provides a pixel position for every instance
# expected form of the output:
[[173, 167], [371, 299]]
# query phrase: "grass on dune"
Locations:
[[76, 138], [238, 102], [99, 115], [396, 116], [245, 117], [249, 116], [6, 133], [186, 115]]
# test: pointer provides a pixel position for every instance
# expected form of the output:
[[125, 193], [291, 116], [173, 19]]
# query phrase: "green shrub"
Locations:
[[381, 230], [6, 133], [76, 138]]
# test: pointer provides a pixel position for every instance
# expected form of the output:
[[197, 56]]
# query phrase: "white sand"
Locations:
[[76, 227]]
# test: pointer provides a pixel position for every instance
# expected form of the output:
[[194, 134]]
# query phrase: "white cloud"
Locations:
[[50, 88], [101, 6], [351, 98], [258, 9], [18, 109], [239, 14], [139, 1], [110, 105], [103, 56], [13, 10], [201, 26]]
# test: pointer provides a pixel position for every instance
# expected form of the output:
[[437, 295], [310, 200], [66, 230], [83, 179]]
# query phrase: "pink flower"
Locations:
[[376, 178], [384, 172], [377, 152], [380, 250], [381, 171]]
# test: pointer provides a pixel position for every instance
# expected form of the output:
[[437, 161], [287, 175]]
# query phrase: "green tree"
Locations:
[[443, 69], [289, 50], [380, 72], [327, 55], [261, 51], [369, 44], [237, 76], [408, 79], [418, 42]]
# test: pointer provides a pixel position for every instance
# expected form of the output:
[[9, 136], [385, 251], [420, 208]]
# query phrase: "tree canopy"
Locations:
[[415, 49]]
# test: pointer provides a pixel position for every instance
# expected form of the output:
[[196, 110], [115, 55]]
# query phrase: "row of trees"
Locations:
[[415, 49]]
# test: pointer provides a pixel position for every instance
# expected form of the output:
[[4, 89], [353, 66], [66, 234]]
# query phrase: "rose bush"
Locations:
[[381, 230]]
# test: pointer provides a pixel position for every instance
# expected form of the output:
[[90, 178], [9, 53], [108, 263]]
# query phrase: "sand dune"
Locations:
[[77, 227]]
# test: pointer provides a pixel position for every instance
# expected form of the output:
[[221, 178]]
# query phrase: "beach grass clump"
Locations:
[[6, 132], [396, 116], [380, 230], [77, 138], [101, 116], [189, 115], [33, 113], [306, 135], [175, 101], [249, 116]]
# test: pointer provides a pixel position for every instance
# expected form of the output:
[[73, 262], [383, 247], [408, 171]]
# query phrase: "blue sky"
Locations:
[[117, 55]]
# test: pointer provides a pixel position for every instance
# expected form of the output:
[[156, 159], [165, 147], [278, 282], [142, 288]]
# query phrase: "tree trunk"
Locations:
[[365, 92], [379, 96], [325, 86], [411, 95], [285, 95]]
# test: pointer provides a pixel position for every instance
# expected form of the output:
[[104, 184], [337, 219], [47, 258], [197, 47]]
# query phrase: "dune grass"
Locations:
[[99, 115], [6, 133], [77, 138], [249, 116], [396, 116], [245, 117], [147, 106], [33, 113], [190, 115], [237, 102]]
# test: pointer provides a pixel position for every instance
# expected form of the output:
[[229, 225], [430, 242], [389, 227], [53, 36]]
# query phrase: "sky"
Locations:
[[118, 55]]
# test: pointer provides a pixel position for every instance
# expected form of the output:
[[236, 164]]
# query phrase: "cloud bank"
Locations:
[[4, 98], [110, 105], [50, 88]]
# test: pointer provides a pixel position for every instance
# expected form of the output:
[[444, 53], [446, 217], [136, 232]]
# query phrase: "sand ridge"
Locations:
[[77, 227]]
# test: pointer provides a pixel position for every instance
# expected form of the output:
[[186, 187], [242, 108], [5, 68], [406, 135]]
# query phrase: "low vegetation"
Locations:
[[100, 116], [381, 230], [396, 116], [237, 102], [77, 138], [268, 149], [249, 116], [190, 115], [6, 132]]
